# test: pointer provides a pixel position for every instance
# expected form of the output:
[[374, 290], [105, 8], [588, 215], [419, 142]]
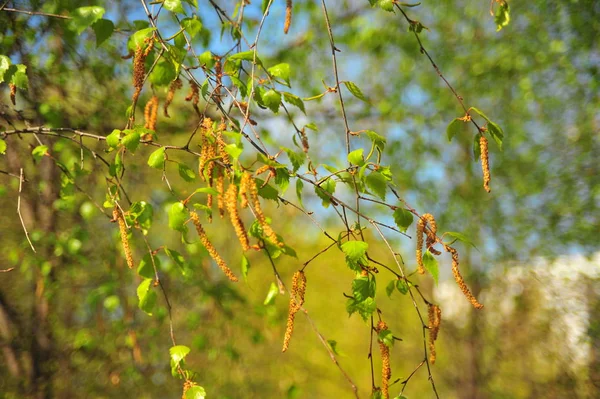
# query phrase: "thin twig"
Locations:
[[32, 13], [19, 210]]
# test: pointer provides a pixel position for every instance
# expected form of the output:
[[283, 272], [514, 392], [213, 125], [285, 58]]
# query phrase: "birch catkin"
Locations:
[[118, 216], [211, 249], [386, 369], [296, 302], [435, 317], [234, 215], [288, 16], [459, 279], [485, 163]]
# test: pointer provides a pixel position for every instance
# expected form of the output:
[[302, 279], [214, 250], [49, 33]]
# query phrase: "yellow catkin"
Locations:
[[150, 113], [431, 233], [459, 279], [139, 68], [296, 302], [305, 146], [207, 148], [262, 169], [210, 248], [288, 16], [194, 95], [260, 216], [485, 163], [173, 87], [420, 228], [234, 215], [219, 79], [244, 188], [13, 93], [220, 187], [386, 369], [118, 216], [435, 317]]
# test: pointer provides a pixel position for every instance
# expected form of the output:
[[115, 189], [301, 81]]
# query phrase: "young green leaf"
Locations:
[[272, 100], [377, 183], [502, 16], [356, 254], [281, 71], [390, 288], [178, 215], [195, 392], [207, 59], [174, 6], [363, 288], [496, 133], [386, 337], [178, 353], [131, 140], [186, 173], [460, 237], [245, 267], [377, 139], [2, 146], [192, 26], [403, 218], [157, 159], [355, 90], [146, 268], [328, 186], [294, 100], [146, 296], [356, 157], [402, 287], [103, 28], [39, 152], [84, 17], [431, 265], [272, 294], [454, 128]]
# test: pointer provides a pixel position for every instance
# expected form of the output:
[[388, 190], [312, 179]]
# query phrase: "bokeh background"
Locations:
[[69, 322]]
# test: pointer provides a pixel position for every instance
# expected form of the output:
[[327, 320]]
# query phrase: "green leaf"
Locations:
[[39, 152], [299, 187], [192, 26], [84, 17], [387, 5], [2, 146], [177, 258], [186, 173], [296, 159], [178, 215], [272, 294], [356, 157], [272, 100], [502, 16], [365, 308], [18, 76], [207, 59], [246, 56], [454, 128], [496, 133], [103, 28], [4, 65], [138, 38], [328, 186], [390, 288], [142, 213], [431, 265], [355, 90], [484, 116], [146, 268], [312, 126], [282, 179], [377, 183], [131, 140], [206, 190], [377, 139], [268, 191], [294, 100], [356, 254], [245, 267], [157, 159], [234, 150], [195, 392], [174, 6], [460, 237], [403, 218], [178, 353], [163, 73], [281, 71], [363, 288], [402, 287], [113, 139], [386, 337], [146, 296]]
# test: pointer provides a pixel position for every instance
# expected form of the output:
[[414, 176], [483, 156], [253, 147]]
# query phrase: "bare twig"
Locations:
[[19, 210]]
